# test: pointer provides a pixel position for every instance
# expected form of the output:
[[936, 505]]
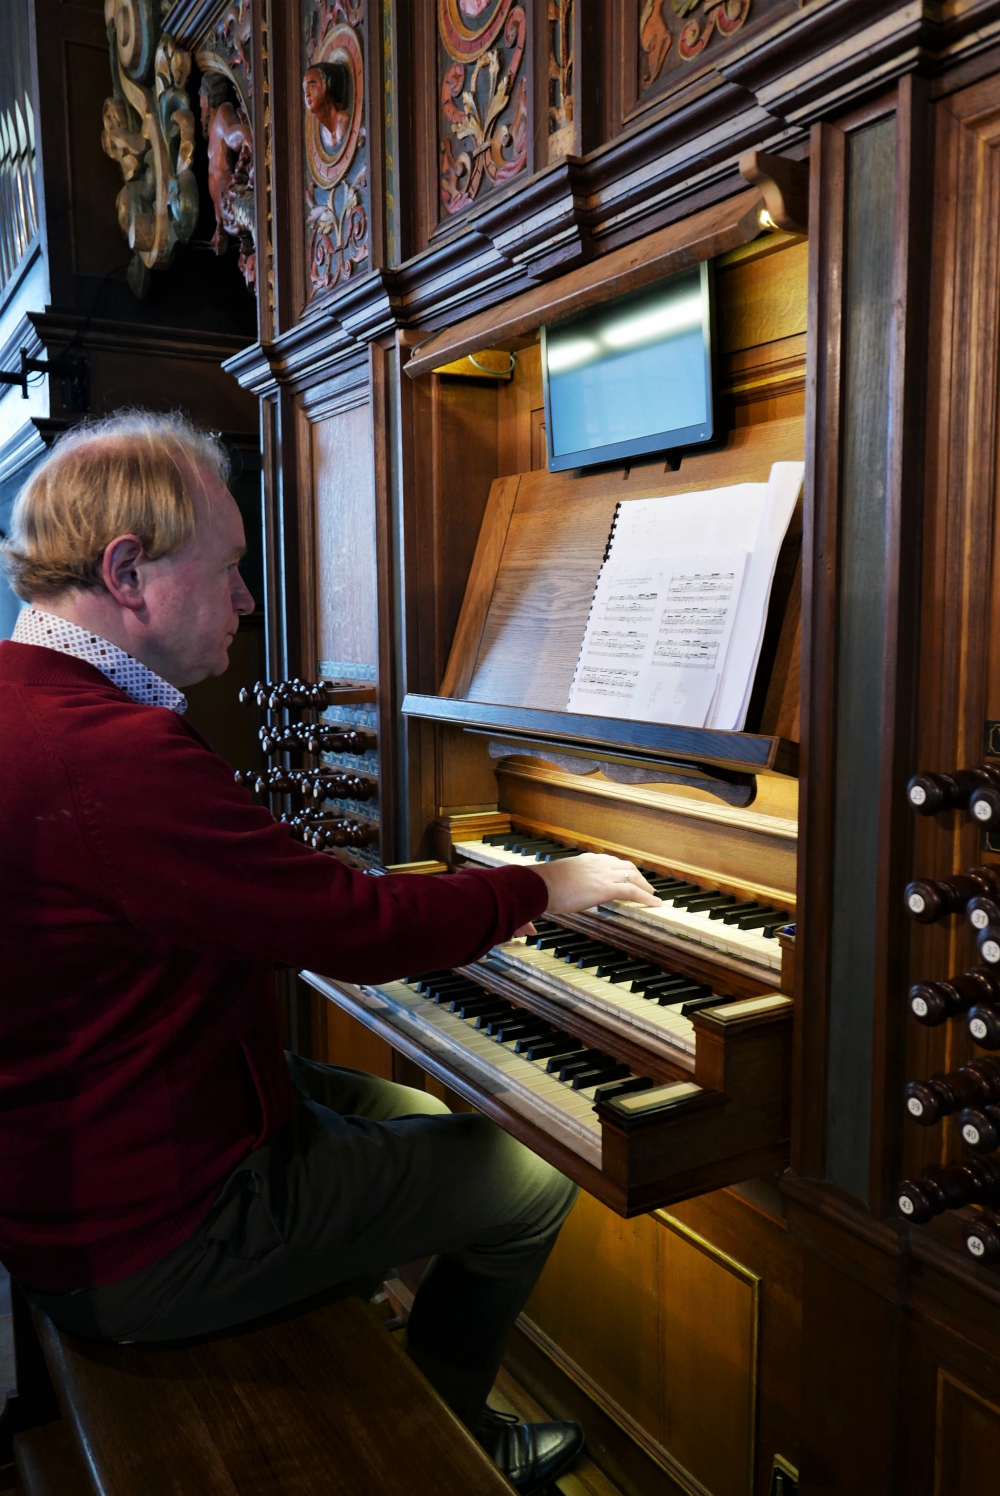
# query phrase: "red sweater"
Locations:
[[143, 900]]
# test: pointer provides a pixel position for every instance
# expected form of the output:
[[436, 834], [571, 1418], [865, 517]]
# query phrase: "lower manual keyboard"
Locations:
[[536, 1070], [714, 921]]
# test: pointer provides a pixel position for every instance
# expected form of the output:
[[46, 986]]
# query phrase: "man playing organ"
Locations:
[[165, 1170]]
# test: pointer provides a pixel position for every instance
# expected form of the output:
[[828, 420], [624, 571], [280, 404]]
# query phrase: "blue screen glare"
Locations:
[[635, 369]]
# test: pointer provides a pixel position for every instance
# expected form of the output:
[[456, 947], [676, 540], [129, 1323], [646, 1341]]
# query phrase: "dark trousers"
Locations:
[[366, 1176]]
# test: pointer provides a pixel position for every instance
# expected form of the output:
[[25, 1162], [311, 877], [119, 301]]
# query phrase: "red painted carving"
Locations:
[[484, 101], [691, 25], [230, 171]]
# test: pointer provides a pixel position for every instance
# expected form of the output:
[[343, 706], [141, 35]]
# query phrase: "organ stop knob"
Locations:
[[969, 1181], [931, 1003], [929, 899], [929, 794], [978, 1082]]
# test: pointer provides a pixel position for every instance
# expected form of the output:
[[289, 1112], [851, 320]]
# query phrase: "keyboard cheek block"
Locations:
[[732, 1122]]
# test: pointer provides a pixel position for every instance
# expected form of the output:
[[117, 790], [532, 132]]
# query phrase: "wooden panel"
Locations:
[[347, 1042], [668, 1341], [704, 841], [48, 1463], [555, 544], [708, 1334], [520, 406], [763, 299], [344, 488], [968, 1440], [479, 589]]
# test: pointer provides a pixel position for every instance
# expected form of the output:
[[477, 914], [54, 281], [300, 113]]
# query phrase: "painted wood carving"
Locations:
[[225, 99], [149, 131], [333, 90], [482, 77], [562, 128], [674, 33]]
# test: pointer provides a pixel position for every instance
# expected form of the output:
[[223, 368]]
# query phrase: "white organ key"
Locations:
[[700, 929]]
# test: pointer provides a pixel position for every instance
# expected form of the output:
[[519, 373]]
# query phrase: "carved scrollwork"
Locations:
[[225, 96], [676, 32], [149, 131], [333, 88], [562, 132], [483, 97]]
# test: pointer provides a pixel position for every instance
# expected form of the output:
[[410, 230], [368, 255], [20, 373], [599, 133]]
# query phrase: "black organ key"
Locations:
[[708, 1000], [617, 962], [735, 911], [547, 1048], [592, 959], [473, 1007], [626, 971], [677, 997], [579, 1061], [610, 1070], [774, 917], [496, 838], [681, 901], [622, 1087], [711, 903], [557, 856]]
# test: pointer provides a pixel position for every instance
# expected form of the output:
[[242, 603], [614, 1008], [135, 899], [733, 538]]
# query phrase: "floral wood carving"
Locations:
[[333, 88], [225, 99], [484, 97], [562, 130], [674, 33], [149, 131]]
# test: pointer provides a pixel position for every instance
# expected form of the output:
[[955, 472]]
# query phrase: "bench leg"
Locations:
[[35, 1401]]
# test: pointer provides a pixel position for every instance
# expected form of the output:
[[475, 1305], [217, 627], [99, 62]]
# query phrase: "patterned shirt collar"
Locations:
[[138, 683]]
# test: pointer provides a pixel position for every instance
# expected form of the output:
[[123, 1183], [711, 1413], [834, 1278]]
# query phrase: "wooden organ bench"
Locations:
[[307, 1403]]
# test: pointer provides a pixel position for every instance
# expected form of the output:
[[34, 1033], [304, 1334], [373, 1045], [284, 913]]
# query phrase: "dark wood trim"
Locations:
[[819, 611], [385, 616], [722, 753], [907, 396]]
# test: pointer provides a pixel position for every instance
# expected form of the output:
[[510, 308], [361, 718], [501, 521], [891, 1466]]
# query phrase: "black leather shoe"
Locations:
[[529, 1454]]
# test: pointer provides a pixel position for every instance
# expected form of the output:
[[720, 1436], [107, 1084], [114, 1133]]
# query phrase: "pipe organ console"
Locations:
[[778, 1089]]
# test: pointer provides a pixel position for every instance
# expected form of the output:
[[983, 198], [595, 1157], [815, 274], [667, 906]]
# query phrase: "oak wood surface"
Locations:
[[322, 1401], [479, 589]]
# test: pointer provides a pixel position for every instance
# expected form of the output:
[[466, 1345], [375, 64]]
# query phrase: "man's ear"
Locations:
[[120, 571]]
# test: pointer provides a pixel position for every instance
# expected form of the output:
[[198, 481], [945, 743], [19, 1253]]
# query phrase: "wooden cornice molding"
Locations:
[[55, 328], [701, 237]]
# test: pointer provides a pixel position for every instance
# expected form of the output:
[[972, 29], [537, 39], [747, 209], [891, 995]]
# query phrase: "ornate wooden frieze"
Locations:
[[562, 128], [336, 145], [149, 131], [225, 99], [482, 78], [673, 34]]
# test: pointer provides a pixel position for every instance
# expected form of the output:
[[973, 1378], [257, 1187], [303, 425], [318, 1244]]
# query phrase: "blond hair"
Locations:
[[127, 474]]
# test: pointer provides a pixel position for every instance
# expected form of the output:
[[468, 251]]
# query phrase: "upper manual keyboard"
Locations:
[[745, 929]]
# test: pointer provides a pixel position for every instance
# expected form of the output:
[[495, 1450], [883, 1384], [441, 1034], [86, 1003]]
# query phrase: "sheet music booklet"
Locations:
[[680, 606]]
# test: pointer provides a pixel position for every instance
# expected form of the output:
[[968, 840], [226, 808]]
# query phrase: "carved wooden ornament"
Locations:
[[484, 97], [149, 131], [225, 121], [333, 90], [678, 31]]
